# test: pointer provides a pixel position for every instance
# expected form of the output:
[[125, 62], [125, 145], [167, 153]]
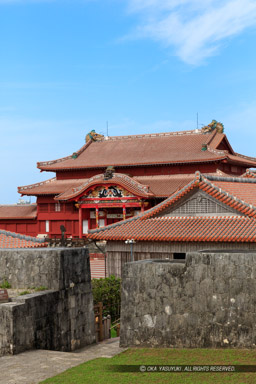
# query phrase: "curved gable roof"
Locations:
[[120, 179]]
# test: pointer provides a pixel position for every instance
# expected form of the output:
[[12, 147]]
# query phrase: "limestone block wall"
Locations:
[[24, 268], [61, 318], [207, 301]]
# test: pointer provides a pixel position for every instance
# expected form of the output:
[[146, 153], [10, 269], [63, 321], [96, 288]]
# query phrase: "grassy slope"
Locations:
[[97, 371]]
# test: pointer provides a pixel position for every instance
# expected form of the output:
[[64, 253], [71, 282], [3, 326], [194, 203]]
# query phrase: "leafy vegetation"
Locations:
[[5, 284], [98, 371], [108, 291], [24, 293], [41, 288]]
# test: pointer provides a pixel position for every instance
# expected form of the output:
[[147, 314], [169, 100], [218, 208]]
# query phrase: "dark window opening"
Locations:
[[179, 256]]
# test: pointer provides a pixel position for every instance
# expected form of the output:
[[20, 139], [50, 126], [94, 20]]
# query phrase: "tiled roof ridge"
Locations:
[[223, 152], [245, 157], [50, 162], [181, 192], [184, 229], [153, 135], [21, 237], [18, 205], [122, 178], [227, 198], [249, 174], [234, 179], [199, 218], [30, 186]]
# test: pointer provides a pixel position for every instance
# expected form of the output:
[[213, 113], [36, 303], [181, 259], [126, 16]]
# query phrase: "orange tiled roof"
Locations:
[[180, 229], [18, 211], [152, 149], [250, 174], [148, 226], [125, 181], [15, 240]]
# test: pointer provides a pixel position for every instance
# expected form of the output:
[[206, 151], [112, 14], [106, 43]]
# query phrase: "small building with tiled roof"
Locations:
[[16, 240], [114, 178], [210, 212], [19, 218]]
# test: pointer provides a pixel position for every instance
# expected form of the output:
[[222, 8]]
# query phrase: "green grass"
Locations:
[[97, 371], [39, 289], [5, 285], [24, 293]]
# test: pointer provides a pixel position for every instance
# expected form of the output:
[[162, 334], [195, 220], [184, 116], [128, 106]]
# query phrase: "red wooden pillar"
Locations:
[[80, 222], [142, 206], [124, 212], [97, 217]]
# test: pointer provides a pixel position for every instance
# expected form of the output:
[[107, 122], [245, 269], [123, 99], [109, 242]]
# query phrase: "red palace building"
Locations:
[[113, 178]]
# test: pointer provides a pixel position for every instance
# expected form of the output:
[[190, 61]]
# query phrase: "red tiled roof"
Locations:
[[18, 211], [166, 185], [250, 174], [50, 187], [157, 185], [148, 226], [15, 240], [244, 160], [243, 191], [180, 229], [152, 149], [125, 181], [224, 189]]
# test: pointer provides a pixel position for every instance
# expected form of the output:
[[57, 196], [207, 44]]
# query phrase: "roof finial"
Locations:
[[213, 125], [92, 135]]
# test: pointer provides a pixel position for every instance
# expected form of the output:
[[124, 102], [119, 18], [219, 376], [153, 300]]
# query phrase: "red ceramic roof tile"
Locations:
[[49, 187], [162, 148], [18, 211], [244, 160], [15, 240], [237, 193], [249, 174], [181, 229], [243, 191], [166, 185], [159, 185]]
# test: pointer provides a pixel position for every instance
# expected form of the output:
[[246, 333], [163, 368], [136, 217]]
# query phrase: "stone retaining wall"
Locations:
[[208, 301], [61, 318]]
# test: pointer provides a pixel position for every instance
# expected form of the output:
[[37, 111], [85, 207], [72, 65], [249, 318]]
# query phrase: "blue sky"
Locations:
[[67, 67]]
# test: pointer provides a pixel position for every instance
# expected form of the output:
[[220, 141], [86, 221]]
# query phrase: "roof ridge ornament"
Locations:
[[109, 173], [92, 135], [212, 126]]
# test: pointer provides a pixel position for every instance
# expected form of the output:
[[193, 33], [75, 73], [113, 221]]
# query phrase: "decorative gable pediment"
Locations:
[[112, 191], [200, 204]]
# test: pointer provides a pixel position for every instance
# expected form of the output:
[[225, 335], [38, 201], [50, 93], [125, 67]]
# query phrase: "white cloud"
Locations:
[[194, 28]]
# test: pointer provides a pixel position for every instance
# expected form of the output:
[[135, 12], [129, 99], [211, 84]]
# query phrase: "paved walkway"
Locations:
[[34, 366]]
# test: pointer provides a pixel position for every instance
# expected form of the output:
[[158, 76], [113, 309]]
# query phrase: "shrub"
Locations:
[[5, 284], [108, 291]]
